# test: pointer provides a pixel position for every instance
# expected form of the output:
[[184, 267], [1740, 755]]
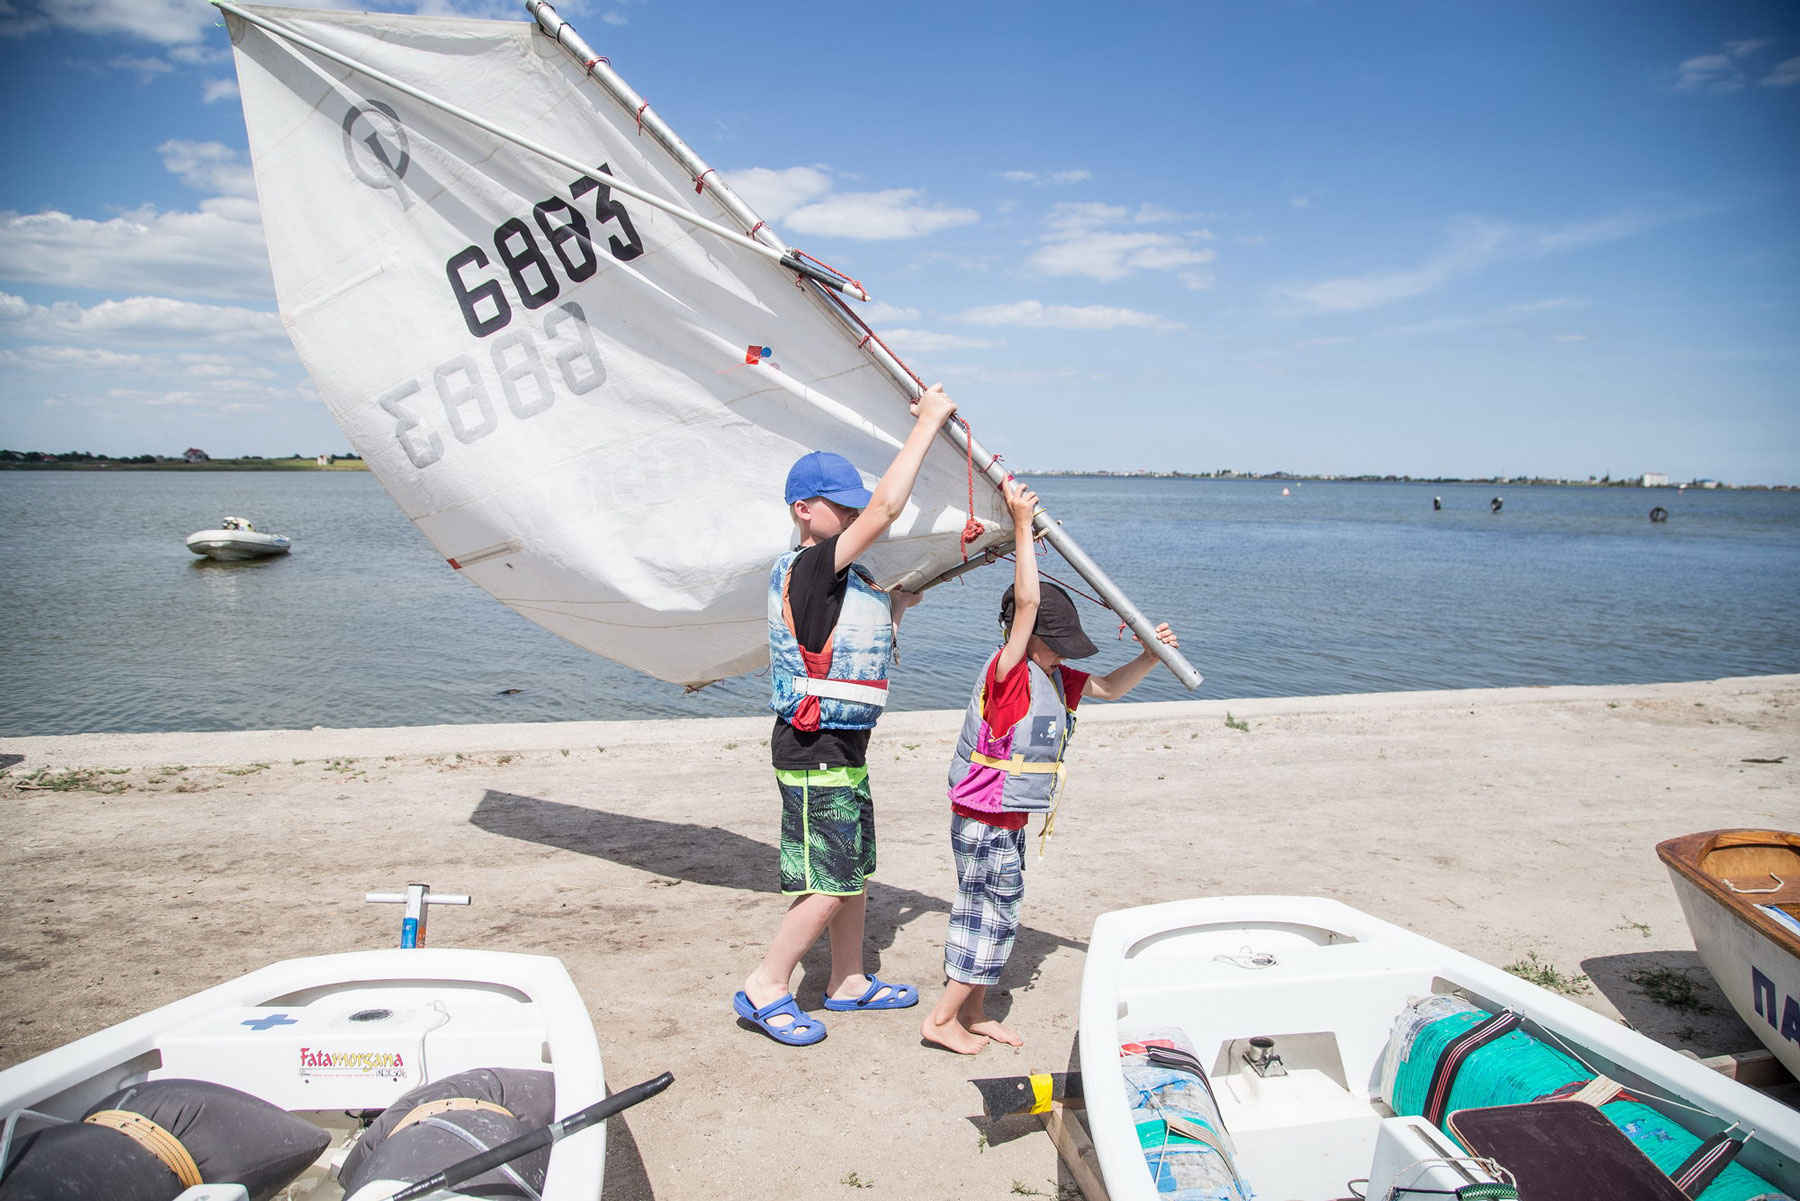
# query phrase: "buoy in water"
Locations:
[[1494, 505], [1659, 514], [1437, 502], [1284, 491]]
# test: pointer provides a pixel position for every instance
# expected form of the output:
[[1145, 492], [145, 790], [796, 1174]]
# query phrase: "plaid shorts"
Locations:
[[827, 831], [990, 879]]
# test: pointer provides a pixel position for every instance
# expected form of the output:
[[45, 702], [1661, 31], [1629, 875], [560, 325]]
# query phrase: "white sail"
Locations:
[[566, 389]]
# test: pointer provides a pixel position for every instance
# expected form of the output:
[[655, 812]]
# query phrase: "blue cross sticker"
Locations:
[[274, 1019]]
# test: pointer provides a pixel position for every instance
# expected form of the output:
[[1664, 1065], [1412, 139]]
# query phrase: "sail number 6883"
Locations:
[[485, 308]]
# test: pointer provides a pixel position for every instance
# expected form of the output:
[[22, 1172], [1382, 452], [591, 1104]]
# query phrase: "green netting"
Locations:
[[1516, 1068], [1669, 1145]]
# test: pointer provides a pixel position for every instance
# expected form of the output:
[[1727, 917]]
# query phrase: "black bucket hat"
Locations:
[[1058, 624]]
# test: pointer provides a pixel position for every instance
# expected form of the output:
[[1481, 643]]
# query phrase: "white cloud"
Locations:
[[208, 167], [1113, 256], [57, 358], [152, 321], [220, 89], [1785, 75], [146, 69], [1035, 314], [1571, 337], [878, 311], [217, 251], [774, 194], [195, 56], [921, 340], [117, 363], [1474, 243], [876, 216], [166, 22], [1079, 243], [1042, 178], [1723, 71], [803, 200]]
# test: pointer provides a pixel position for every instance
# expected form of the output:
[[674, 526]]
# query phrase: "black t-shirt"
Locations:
[[816, 592]]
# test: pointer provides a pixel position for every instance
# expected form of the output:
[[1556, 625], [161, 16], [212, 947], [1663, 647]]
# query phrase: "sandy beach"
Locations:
[[1513, 824]]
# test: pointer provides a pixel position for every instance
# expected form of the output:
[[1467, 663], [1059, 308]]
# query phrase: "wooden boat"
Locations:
[[1740, 892], [1292, 1017], [332, 1040]]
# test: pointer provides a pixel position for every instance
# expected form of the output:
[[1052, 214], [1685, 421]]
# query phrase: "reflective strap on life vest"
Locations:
[[431, 1109], [860, 691], [1016, 764], [154, 1139]]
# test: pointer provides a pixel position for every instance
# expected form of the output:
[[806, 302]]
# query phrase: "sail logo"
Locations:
[[375, 147], [1763, 990], [318, 1061], [760, 354]]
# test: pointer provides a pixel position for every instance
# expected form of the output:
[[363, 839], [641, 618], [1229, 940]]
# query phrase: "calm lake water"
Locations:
[[109, 624]]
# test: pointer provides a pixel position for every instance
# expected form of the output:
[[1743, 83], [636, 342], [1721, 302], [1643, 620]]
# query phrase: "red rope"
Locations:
[[598, 58], [801, 254], [1070, 587], [640, 117], [754, 228], [700, 181]]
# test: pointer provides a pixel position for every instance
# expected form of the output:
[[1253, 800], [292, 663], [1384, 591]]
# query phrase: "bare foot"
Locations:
[[951, 1036], [994, 1030]]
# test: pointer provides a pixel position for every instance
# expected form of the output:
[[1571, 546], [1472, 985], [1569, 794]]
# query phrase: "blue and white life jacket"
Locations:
[[850, 694]]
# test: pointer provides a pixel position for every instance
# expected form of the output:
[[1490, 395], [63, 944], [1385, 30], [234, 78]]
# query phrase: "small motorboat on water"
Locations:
[[352, 1075], [1740, 893], [1295, 1048], [236, 538]]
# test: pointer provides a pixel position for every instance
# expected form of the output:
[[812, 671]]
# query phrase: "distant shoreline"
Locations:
[[1277, 477], [340, 464], [1287, 477]]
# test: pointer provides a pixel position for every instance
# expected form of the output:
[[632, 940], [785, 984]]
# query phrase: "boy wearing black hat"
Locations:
[[831, 635], [1008, 765]]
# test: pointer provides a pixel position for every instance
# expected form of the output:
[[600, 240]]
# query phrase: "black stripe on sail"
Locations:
[[1456, 1053], [1699, 1170]]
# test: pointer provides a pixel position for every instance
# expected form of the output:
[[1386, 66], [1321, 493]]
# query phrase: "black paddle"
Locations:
[[525, 1144]]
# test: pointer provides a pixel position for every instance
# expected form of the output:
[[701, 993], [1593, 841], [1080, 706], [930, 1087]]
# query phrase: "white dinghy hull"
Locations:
[[1326, 983], [353, 1031], [235, 545]]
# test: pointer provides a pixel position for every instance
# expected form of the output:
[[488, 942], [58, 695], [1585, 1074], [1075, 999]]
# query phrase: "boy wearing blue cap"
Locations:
[[831, 634]]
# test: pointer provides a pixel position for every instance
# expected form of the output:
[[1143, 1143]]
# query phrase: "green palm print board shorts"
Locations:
[[827, 831]]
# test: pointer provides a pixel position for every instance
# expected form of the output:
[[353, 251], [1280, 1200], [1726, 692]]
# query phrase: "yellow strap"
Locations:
[[1040, 1092], [431, 1109], [154, 1139], [1015, 765]]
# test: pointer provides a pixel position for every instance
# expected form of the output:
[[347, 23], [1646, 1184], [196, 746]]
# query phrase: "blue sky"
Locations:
[[1412, 238]]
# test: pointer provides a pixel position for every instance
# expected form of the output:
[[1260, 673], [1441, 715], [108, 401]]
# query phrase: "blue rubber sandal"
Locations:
[[899, 996], [802, 1030]]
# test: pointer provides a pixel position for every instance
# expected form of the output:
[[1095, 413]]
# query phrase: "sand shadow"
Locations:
[[7, 761], [722, 858], [1671, 997], [626, 1177]]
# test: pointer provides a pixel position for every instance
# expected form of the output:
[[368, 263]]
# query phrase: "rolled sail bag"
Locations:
[[427, 1146], [527, 1097], [1516, 1068], [1187, 1149], [151, 1141]]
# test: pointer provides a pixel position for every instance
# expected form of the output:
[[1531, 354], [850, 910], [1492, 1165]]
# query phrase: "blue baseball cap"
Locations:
[[822, 473]]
